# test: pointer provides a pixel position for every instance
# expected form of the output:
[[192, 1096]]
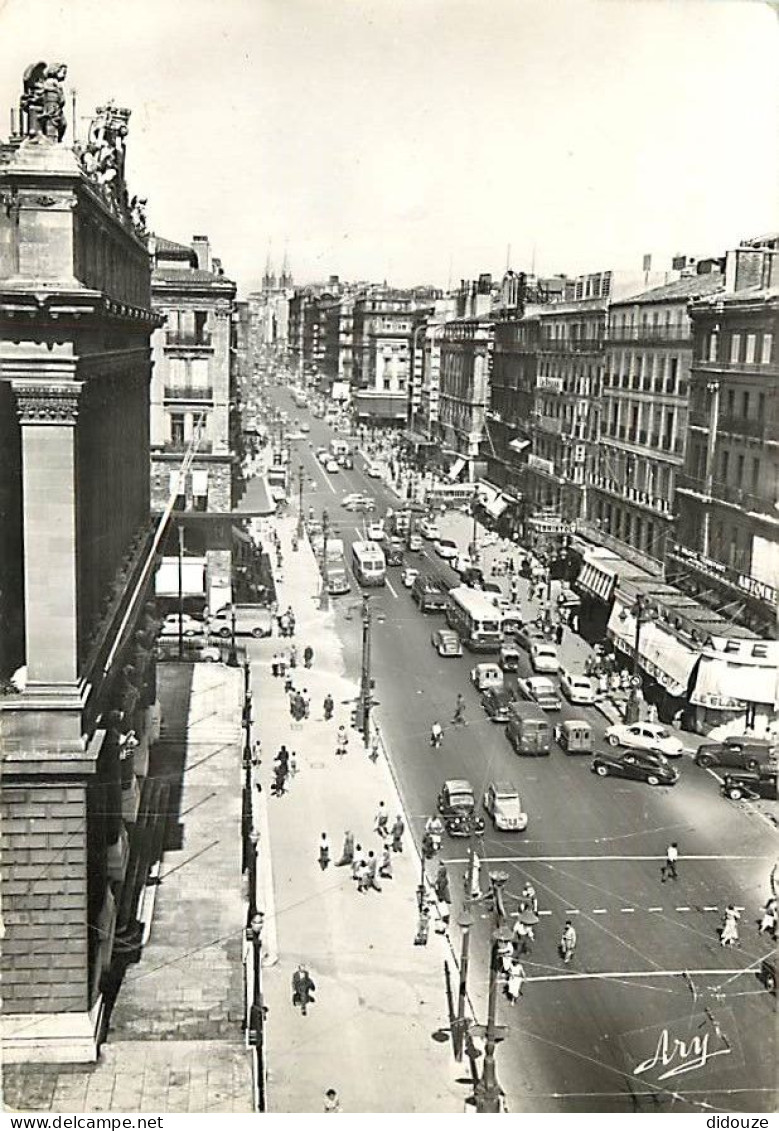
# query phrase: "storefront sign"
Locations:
[[761, 590]]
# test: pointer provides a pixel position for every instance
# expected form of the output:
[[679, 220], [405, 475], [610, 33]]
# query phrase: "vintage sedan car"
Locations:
[[528, 635], [543, 656], [446, 548], [457, 806], [414, 542], [332, 465], [408, 575], [750, 785], [502, 803], [429, 529], [374, 531], [486, 675], [638, 765], [190, 626], [446, 642], [645, 736], [538, 689], [496, 702], [581, 689], [508, 657], [358, 503]]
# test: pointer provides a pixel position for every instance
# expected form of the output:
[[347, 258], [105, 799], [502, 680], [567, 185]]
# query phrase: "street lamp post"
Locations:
[[300, 501], [488, 1092], [232, 658], [323, 595], [644, 611]]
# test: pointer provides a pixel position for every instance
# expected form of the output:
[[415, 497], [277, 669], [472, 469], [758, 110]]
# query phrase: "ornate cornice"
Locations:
[[38, 403]]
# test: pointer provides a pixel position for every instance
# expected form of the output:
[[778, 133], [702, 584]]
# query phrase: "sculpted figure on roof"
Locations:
[[42, 105]]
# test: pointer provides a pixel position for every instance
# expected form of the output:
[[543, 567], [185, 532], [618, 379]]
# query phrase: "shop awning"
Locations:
[[496, 508], [193, 577], [596, 580], [456, 470], [661, 654], [519, 445], [486, 493], [727, 686], [256, 500], [241, 536]]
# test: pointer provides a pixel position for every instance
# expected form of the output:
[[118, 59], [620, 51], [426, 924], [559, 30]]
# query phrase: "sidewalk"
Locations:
[[379, 999], [175, 1042]]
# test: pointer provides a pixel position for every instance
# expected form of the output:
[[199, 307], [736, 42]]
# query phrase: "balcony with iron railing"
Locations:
[[706, 367], [188, 393], [571, 345], [204, 447], [188, 339], [728, 493], [680, 334], [743, 426], [628, 494]]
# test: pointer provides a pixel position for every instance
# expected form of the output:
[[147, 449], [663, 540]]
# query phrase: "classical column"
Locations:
[[47, 414]]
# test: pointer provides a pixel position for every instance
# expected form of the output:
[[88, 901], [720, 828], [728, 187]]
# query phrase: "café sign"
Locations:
[[761, 590]]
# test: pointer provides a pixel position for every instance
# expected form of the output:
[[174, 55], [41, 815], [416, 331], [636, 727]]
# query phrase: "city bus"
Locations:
[[369, 563], [475, 619]]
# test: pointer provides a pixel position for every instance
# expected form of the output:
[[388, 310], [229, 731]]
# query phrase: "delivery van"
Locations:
[[528, 729]]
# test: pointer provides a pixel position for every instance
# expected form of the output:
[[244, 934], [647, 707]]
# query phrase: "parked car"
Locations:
[[250, 620], [486, 675], [577, 688], [446, 642], [645, 736], [739, 751], [751, 784], [638, 765], [332, 465], [496, 702], [543, 656], [408, 576], [428, 528], [428, 595], [502, 803], [461, 563], [539, 689], [446, 548], [190, 626], [457, 805]]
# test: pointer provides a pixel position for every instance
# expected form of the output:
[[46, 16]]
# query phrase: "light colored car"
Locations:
[[446, 642], [408, 576], [358, 503], [414, 542], [486, 675], [332, 466], [539, 689], [429, 529], [578, 688], [374, 531], [299, 435], [373, 471], [489, 538], [645, 736], [446, 548], [190, 626], [543, 656], [323, 455], [462, 563], [502, 803]]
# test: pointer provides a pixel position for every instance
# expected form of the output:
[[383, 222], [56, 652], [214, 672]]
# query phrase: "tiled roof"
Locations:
[[689, 286], [172, 250], [746, 294]]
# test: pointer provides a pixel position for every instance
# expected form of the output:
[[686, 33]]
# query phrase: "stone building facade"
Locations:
[[191, 390], [382, 324], [76, 553]]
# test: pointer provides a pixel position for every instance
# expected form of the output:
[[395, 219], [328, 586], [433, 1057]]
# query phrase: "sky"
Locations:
[[425, 141]]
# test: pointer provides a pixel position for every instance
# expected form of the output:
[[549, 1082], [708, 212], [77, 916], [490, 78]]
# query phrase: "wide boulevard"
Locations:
[[653, 1014]]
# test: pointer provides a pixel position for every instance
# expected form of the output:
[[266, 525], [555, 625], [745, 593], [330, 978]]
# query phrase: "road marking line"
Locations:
[[391, 589], [544, 912], [572, 911], [599, 911], [654, 909], [586, 859], [681, 909], [619, 974], [628, 910], [711, 908]]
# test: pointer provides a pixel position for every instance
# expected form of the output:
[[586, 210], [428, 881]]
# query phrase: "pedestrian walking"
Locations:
[[293, 764], [341, 741], [558, 635], [515, 981], [328, 707], [398, 829], [459, 711], [436, 735], [769, 920], [293, 657], [423, 925], [278, 789], [441, 886], [302, 989], [529, 899], [305, 703], [347, 852], [474, 888], [381, 821], [729, 930], [308, 656], [385, 865], [332, 1102], [568, 942], [374, 749], [324, 851], [523, 936], [357, 862], [256, 752], [274, 666], [372, 867], [671, 861], [290, 621]]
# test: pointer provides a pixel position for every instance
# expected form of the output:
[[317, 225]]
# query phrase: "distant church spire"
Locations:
[[269, 278], [285, 279]]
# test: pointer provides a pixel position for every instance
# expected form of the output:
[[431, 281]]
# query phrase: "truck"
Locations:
[[335, 575]]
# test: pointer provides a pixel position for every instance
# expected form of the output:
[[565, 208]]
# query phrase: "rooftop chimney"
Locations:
[[202, 251]]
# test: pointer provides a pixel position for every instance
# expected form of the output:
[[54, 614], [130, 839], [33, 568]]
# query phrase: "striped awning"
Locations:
[[596, 580]]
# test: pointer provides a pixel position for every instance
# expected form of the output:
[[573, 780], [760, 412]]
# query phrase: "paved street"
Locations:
[[649, 967]]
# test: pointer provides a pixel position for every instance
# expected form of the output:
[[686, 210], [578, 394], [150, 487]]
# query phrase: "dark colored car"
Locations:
[[738, 751], [472, 576], [457, 805], [638, 765], [428, 595], [393, 551], [768, 973], [751, 784], [528, 635], [496, 702]]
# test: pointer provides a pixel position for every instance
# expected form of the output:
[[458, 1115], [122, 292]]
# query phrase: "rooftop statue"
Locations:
[[103, 160], [42, 105]]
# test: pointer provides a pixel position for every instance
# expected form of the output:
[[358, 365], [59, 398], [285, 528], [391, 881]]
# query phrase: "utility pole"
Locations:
[[300, 501], [465, 923], [323, 598], [366, 691], [488, 1092], [181, 589]]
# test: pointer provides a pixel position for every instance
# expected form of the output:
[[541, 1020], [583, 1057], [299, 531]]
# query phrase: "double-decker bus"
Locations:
[[369, 563], [474, 617]]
